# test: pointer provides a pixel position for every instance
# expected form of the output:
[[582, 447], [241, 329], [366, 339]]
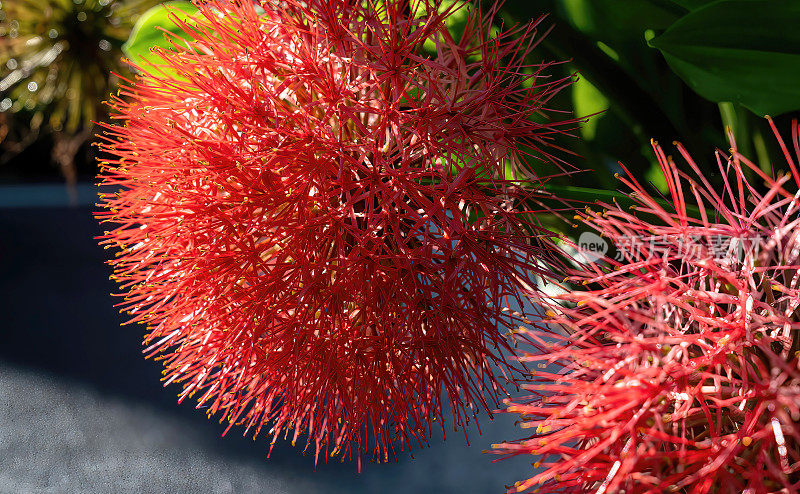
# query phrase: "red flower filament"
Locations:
[[314, 219], [677, 369]]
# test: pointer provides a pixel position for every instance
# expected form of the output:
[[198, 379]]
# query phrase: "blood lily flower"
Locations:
[[315, 218], [676, 370]]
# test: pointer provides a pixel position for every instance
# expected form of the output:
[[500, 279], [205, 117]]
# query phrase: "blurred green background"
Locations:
[[662, 69]]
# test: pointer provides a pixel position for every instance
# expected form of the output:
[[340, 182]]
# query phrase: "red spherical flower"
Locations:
[[315, 218], [677, 369]]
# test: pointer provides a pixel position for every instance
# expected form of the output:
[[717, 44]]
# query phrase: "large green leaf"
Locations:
[[619, 19], [149, 32], [692, 4], [588, 101], [696, 4], [744, 51]]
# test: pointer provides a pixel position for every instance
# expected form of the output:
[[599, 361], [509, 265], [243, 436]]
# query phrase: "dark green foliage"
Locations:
[[742, 51], [735, 54]]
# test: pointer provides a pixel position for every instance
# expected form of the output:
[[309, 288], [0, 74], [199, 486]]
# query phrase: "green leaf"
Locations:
[[696, 4], [148, 32], [588, 100], [692, 4], [743, 51], [619, 19]]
